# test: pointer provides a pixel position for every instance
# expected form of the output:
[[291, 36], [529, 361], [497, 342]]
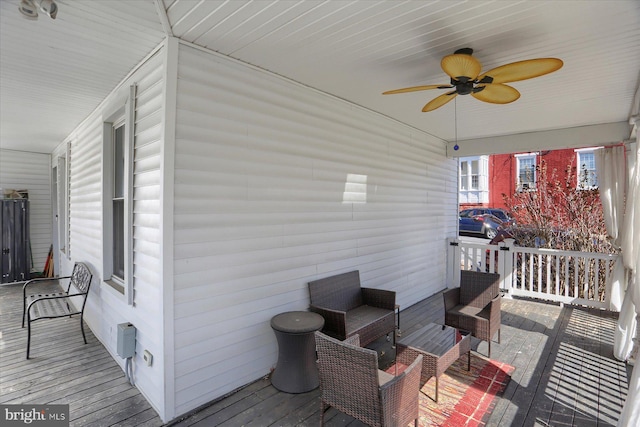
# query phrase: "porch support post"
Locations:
[[453, 263], [506, 265]]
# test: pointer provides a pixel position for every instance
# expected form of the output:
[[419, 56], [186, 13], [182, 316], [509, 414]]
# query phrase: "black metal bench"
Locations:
[[56, 304]]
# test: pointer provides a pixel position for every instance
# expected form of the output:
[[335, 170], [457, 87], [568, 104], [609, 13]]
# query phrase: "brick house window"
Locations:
[[526, 171], [587, 178]]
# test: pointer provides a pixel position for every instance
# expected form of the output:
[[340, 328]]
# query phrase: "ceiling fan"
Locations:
[[490, 86]]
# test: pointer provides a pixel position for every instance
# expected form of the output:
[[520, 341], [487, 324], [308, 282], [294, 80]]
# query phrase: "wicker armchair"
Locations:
[[349, 309], [351, 382], [475, 305]]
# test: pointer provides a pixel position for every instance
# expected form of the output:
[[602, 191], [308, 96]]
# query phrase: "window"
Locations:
[[474, 179], [464, 175], [469, 174], [586, 170], [475, 175], [117, 197], [61, 183], [526, 165], [117, 232]]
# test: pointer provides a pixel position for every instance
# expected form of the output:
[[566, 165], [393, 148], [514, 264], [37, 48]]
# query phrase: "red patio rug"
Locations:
[[465, 398]]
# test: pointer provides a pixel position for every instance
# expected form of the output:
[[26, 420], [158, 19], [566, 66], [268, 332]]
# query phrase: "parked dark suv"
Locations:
[[501, 214], [484, 224]]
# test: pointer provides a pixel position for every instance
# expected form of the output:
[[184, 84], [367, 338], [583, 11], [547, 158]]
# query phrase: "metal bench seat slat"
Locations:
[[50, 308]]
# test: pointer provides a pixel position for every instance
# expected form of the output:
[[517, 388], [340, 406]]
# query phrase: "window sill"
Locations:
[[119, 288]]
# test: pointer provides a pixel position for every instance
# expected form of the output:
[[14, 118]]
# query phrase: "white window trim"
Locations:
[[519, 185], [579, 168], [62, 203], [481, 193], [126, 113]]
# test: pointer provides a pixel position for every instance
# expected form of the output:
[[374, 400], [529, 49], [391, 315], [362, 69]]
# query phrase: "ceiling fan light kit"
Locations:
[[464, 71], [29, 8]]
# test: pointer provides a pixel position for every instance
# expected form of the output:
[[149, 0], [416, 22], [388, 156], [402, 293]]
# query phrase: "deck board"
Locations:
[[64, 370], [565, 374]]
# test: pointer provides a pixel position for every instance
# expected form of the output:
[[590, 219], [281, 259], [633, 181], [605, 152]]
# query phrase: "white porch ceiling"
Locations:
[[54, 72]]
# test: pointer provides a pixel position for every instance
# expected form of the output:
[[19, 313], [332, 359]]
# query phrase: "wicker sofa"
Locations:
[[349, 309], [475, 305]]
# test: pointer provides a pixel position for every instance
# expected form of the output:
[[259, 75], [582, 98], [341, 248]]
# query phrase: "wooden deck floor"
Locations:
[[565, 373], [63, 370]]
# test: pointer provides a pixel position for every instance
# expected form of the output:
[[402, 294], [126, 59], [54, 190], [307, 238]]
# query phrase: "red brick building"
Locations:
[[484, 179]]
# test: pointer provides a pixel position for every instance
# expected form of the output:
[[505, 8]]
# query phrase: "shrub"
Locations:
[[556, 215]]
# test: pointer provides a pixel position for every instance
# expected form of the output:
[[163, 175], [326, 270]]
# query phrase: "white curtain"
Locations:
[[611, 168], [630, 415]]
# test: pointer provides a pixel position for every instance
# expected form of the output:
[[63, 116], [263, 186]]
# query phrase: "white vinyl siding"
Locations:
[[106, 308], [276, 185], [20, 170]]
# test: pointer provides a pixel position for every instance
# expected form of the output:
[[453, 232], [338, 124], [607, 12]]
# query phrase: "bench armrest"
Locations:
[[335, 321], [379, 298], [451, 298]]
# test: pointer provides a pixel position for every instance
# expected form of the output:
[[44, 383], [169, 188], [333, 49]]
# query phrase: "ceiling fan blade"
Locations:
[[523, 70], [416, 88], [439, 101], [497, 93], [461, 65]]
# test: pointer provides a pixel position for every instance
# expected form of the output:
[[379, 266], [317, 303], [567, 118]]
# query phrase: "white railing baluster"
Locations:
[[539, 273], [576, 282], [548, 275], [542, 273], [557, 258], [531, 272]]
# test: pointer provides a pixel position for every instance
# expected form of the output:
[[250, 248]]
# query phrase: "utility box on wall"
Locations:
[[126, 340]]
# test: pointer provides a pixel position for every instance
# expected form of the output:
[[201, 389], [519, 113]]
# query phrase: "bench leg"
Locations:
[[82, 329], [28, 335]]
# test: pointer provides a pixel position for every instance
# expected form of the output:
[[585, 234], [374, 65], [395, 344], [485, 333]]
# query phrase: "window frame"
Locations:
[[62, 201], [122, 116], [463, 170], [473, 183], [530, 185], [579, 154]]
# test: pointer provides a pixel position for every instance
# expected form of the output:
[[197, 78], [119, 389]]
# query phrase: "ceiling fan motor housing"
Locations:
[[464, 86]]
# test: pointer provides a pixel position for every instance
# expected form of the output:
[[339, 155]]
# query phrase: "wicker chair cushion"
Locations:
[[363, 316], [467, 310], [384, 377]]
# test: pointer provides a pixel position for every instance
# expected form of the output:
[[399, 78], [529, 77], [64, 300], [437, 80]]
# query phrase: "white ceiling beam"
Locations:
[[576, 137], [164, 19]]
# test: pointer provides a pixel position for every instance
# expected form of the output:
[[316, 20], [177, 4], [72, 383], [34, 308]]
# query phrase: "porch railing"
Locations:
[[562, 276]]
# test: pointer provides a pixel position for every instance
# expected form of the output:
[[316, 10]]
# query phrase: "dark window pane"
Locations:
[[118, 162], [118, 239]]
